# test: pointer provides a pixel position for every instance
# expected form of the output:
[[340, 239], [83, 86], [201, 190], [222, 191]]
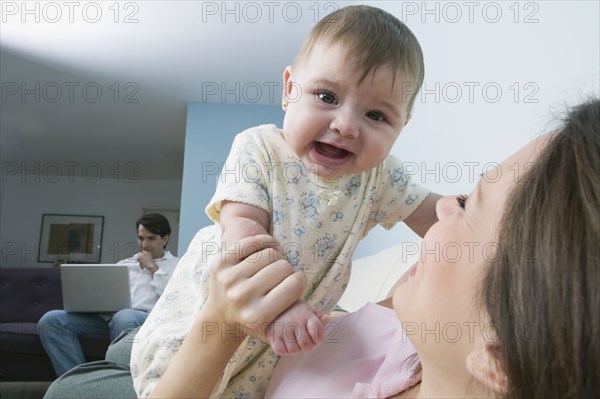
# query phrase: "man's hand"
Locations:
[[147, 262]]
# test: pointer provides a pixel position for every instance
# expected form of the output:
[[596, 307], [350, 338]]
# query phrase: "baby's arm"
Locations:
[[239, 221], [298, 329], [424, 216]]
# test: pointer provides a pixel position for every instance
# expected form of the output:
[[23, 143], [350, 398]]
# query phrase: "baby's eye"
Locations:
[[462, 200], [327, 98], [375, 115]]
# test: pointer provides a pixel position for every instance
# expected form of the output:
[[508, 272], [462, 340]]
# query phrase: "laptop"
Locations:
[[95, 287]]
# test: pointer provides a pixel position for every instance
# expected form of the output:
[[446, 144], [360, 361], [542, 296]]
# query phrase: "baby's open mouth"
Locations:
[[331, 151], [329, 155]]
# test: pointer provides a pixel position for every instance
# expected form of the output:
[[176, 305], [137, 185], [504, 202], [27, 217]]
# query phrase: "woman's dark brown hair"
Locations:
[[542, 293]]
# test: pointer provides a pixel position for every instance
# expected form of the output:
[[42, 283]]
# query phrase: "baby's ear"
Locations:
[[484, 364], [287, 87]]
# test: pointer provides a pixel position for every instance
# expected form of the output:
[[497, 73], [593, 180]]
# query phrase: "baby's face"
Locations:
[[337, 124]]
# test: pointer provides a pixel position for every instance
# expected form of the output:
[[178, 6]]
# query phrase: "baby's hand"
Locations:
[[298, 329]]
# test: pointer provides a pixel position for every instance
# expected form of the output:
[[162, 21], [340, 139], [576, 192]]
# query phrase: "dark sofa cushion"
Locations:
[[20, 338], [27, 293], [23, 338]]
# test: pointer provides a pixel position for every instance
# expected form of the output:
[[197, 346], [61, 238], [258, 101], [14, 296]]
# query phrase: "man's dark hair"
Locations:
[[154, 223]]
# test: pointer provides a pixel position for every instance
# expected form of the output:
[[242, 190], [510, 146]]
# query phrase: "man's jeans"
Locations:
[[101, 379], [59, 333]]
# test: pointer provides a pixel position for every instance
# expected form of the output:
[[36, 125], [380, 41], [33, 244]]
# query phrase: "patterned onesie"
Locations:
[[318, 223]]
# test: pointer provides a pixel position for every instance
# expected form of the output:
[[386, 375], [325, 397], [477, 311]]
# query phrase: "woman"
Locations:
[[543, 291], [507, 305], [504, 302]]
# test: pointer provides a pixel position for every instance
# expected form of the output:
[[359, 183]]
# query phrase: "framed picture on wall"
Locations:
[[70, 238]]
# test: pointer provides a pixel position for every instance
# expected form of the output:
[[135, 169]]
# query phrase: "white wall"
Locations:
[[497, 73], [553, 59], [25, 197]]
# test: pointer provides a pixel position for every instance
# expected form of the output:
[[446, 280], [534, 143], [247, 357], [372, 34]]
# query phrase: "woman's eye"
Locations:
[[327, 98], [462, 200], [375, 115]]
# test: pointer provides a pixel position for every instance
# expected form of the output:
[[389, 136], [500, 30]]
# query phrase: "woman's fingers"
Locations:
[[252, 283], [284, 295], [262, 309], [247, 291], [248, 248], [251, 254], [270, 276]]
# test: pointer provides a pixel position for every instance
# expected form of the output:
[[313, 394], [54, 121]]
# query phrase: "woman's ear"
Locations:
[[483, 363], [287, 87]]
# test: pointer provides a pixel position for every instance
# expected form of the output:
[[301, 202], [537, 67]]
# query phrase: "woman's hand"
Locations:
[[251, 284]]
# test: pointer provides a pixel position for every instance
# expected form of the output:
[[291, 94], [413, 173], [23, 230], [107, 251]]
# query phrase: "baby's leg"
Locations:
[[298, 329]]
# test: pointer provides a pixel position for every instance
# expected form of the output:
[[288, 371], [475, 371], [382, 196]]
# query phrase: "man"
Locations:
[[149, 272]]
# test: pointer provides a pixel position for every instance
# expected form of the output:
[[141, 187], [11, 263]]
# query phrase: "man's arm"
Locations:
[[424, 216], [163, 272]]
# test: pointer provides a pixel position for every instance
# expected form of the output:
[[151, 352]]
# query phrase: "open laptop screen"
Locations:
[[95, 287]]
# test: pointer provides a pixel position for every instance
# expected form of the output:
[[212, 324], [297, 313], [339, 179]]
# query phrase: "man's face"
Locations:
[[150, 242]]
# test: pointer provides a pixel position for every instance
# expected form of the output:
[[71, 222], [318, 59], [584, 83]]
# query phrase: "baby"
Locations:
[[320, 183], [317, 186]]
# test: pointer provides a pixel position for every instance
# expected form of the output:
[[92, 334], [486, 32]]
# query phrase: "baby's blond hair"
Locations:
[[372, 38]]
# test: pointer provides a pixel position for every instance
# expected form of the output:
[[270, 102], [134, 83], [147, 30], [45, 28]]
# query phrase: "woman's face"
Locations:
[[437, 304]]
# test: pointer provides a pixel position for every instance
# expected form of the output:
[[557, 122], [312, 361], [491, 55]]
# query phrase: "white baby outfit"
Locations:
[[318, 223]]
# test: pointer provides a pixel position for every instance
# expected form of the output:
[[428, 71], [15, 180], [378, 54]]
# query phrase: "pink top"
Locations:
[[365, 354]]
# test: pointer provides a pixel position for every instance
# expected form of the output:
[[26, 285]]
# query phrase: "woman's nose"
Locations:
[[446, 206]]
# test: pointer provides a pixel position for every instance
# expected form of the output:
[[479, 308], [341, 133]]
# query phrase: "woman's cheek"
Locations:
[[406, 297]]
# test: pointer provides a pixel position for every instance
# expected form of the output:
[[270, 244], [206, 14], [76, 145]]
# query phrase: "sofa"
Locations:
[[26, 293], [374, 276]]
